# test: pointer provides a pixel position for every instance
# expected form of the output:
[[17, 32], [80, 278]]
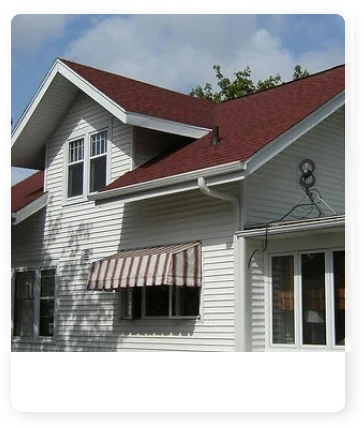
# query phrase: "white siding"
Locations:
[[256, 278], [273, 189], [58, 234], [87, 321]]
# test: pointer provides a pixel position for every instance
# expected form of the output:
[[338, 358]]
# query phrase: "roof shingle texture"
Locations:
[[27, 191], [246, 125], [140, 97]]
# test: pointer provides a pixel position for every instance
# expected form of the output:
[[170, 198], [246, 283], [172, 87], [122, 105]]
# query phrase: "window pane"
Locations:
[[76, 152], [339, 287], [132, 303], [98, 143], [75, 179], [97, 173], [185, 301], [46, 317], [157, 300], [283, 299], [24, 303], [313, 299], [47, 283]]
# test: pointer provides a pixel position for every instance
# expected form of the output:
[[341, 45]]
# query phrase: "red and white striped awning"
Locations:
[[170, 265]]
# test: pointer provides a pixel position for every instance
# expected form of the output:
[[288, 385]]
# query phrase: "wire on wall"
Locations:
[[306, 181]]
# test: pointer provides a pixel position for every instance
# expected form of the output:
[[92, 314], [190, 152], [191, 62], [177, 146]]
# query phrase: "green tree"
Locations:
[[241, 85], [299, 73]]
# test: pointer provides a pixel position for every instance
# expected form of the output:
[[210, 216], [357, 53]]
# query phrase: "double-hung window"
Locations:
[[76, 166], [23, 321], [98, 150], [87, 163], [308, 299], [34, 302], [46, 302]]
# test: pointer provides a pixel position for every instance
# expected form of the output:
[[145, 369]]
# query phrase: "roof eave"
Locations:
[[276, 146], [295, 226], [116, 110], [30, 209], [216, 175], [223, 173]]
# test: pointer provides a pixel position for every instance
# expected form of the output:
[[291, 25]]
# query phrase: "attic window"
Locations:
[[75, 167], [98, 161], [87, 163]]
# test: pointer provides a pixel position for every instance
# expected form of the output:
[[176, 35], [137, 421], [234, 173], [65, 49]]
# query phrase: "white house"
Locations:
[[159, 221]]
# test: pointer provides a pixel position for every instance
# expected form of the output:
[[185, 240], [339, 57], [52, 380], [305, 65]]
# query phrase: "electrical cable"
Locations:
[[265, 244], [306, 182]]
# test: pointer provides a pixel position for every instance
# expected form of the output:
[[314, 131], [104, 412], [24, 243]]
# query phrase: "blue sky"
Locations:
[[174, 51]]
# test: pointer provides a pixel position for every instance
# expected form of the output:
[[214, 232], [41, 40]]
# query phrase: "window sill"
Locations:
[[41, 339], [161, 318], [308, 348], [75, 201]]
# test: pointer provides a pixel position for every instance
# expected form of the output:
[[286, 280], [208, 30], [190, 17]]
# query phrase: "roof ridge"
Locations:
[[284, 83], [135, 80]]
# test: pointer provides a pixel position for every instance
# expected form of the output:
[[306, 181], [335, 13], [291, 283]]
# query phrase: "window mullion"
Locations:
[[86, 166], [36, 303], [298, 300], [329, 287]]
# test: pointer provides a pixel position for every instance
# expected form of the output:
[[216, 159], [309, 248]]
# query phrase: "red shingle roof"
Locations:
[[140, 97], [27, 191], [246, 125]]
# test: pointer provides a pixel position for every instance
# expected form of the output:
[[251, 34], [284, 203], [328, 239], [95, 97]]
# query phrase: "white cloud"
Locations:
[[178, 51], [29, 32]]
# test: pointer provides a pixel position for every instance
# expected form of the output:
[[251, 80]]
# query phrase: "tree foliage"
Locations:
[[241, 85]]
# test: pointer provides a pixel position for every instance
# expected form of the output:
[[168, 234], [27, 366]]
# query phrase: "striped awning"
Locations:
[[169, 265]]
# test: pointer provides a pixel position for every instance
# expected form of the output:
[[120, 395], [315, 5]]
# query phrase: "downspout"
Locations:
[[241, 294]]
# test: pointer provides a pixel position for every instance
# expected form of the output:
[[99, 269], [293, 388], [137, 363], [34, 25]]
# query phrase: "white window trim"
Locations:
[[36, 304], [329, 297], [143, 316], [86, 136]]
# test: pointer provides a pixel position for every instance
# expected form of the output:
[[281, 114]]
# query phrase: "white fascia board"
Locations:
[[19, 127], [240, 169], [130, 118], [176, 188], [29, 210], [319, 223], [174, 184], [91, 91], [111, 106], [287, 138], [164, 125]]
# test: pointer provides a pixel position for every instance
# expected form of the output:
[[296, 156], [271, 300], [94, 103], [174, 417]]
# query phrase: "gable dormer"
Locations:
[[87, 142]]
